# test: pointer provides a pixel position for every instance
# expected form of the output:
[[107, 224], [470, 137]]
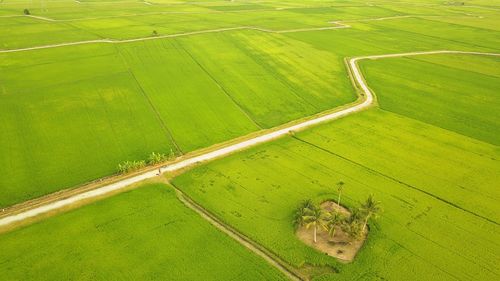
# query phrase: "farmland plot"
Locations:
[[143, 234], [419, 231], [70, 116], [469, 83], [185, 100]]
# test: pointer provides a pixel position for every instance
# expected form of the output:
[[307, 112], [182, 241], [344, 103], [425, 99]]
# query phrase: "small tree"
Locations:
[[130, 166], [340, 187], [353, 228], [352, 225], [298, 219], [171, 154], [370, 208], [155, 33], [314, 217], [156, 157], [333, 220], [26, 12]]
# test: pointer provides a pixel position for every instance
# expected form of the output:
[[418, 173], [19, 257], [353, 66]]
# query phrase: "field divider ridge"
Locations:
[[248, 243], [339, 24], [365, 100]]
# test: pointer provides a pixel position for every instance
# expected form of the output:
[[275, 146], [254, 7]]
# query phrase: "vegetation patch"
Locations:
[[336, 231], [143, 234], [469, 107], [414, 168]]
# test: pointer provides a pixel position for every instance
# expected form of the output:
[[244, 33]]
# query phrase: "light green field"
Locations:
[[459, 92], [66, 123], [166, 95], [426, 162], [193, 91], [69, 115], [440, 216], [145, 234]]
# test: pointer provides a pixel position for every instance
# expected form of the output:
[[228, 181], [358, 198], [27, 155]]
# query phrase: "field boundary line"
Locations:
[[395, 180], [222, 88], [162, 122], [341, 24], [200, 12], [248, 243], [364, 101]]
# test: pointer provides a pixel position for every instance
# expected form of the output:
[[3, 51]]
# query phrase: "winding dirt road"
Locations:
[[366, 100]]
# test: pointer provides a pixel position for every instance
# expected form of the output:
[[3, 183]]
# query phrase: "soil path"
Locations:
[[249, 244], [366, 100], [336, 25]]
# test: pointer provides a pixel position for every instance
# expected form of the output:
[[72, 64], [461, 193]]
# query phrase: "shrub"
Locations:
[[26, 12], [156, 157], [130, 166]]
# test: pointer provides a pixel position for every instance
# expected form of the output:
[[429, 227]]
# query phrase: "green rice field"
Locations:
[[88, 84], [71, 114], [405, 86], [144, 234], [440, 216]]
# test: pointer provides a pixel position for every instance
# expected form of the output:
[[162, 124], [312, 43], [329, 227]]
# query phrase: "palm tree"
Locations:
[[370, 209], [333, 220], [313, 217], [340, 186], [352, 228], [298, 218], [352, 225]]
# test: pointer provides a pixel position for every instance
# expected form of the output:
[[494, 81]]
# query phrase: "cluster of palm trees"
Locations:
[[313, 216]]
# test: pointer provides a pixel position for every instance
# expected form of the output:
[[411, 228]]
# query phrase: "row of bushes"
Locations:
[[153, 159]]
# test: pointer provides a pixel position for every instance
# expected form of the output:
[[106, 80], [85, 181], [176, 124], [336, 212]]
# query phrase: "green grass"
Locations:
[[69, 115], [69, 119], [189, 101], [458, 92], [436, 187], [145, 234], [277, 79], [259, 80], [72, 114]]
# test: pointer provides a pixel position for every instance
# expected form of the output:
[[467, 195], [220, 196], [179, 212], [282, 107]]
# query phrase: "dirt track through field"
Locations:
[[249, 244], [336, 25], [366, 100]]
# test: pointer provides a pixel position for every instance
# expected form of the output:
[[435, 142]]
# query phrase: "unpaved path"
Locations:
[[365, 101], [249, 244], [336, 25], [114, 41]]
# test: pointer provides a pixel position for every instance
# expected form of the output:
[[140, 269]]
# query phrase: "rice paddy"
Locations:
[[88, 84]]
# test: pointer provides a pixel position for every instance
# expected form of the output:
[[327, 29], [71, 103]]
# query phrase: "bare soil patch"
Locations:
[[341, 246]]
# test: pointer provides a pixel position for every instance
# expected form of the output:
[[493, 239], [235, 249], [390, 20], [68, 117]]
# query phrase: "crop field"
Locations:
[[86, 85], [146, 231], [124, 101], [201, 103], [440, 216], [475, 96]]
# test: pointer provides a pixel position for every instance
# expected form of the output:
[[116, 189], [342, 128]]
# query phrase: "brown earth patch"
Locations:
[[341, 246]]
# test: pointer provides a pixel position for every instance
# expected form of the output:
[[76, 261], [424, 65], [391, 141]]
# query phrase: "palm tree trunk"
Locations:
[[366, 221], [315, 234]]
